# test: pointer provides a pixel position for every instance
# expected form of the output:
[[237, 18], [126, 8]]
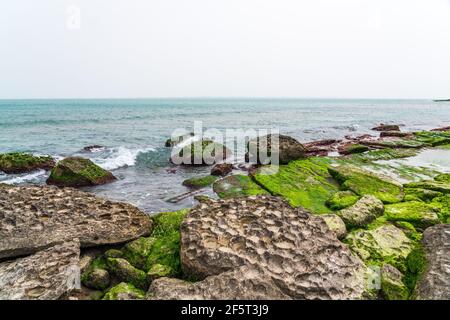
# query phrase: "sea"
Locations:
[[133, 132]]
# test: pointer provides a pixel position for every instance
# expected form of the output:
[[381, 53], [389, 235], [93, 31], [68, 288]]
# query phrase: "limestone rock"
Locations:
[[335, 223], [46, 275], [17, 162], [124, 271], [434, 284], [387, 127], [296, 250], [363, 212], [97, 279], [392, 286], [286, 148], [78, 172], [221, 169], [243, 283], [417, 213], [37, 217]]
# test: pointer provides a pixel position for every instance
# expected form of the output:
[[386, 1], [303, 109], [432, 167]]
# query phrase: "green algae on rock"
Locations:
[[17, 162], [335, 224], [96, 276], [419, 194], [434, 138], [443, 177], [363, 212], [439, 186], [237, 186], [353, 148], [442, 205], [159, 271], [200, 153], [124, 291], [137, 251], [384, 154], [124, 271], [417, 213], [384, 244], [392, 286], [363, 182], [78, 172], [341, 200], [304, 183], [199, 182]]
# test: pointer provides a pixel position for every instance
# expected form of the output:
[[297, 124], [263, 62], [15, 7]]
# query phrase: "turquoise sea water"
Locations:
[[134, 130]]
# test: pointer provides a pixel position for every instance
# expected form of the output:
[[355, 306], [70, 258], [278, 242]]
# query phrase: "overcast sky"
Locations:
[[225, 48]]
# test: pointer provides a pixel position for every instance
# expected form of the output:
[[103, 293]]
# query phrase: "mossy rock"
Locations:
[[166, 223], [172, 142], [363, 212], [304, 183], [434, 138], [124, 291], [199, 182], [113, 253], [335, 224], [341, 200], [409, 230], [417, 213], [353, 148], [96, 276], [78, 172], [200, 153], [363, 182], [237, 186], [392, 286], [385, 154], [442, 204], [125, 272], [443, 177], [159, 271], [137, 251], [17, 162], [439, 186], [419, 194], [385, 244]]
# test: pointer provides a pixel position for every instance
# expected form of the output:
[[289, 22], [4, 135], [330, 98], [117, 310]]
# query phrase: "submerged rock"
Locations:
[[351, 148], [172, 142], [387, 127], [93, 148], [247, 284], [304, 183], [296, 250], [37, 217], [46, 275], [385, 244], [78, 172], [417, 213], [199, 182], [335, 223], [124, 291], [221, 169], [18, 162], [237, 186], [200, 153], [286, 149], [363, 212], [434, 283], [363, 182]]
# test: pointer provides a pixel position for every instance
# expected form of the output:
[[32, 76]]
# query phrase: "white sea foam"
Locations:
[[115, 158], [30, 177]]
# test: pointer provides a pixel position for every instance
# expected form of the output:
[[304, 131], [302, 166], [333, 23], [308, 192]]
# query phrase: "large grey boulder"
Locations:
[[295, 249], [434, 283], [363, 212], [33, 218], [46, 275], [243, 283]]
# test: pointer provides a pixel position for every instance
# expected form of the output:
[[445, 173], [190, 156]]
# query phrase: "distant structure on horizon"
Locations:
[[442, 100]]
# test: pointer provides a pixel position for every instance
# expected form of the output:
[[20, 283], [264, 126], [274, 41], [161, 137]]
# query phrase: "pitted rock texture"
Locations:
[[296, 250], [434, 283], [363, 212], [244, 283], [335, 223], [37, 217], [46, 275]]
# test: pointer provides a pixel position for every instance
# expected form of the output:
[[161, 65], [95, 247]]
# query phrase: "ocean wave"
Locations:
[[114, 158], [30, 177]]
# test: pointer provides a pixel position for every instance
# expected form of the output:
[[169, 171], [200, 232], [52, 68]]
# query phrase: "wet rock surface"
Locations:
[[37, 217], [284, 148]]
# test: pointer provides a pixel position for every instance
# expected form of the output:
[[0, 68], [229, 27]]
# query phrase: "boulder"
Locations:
[[93, 148], [320, 147], [285, 148], [387, 127], [46, 275], [342, 199], [172, 142], [221, 169], [18, 162], [384, 244], [363, 212], [434, 283], [247, 283], [439, 186], [124, 291], [351, 148], [296, 250], [335, 223], [199, 182], [396, 134], [37, 217], [417, 213], [237, 186], [200, 153], [78, 172], [125, 272], [96, 279], [363, 182], [392, 286]]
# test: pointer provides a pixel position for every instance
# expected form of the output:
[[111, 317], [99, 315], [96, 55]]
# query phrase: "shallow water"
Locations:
[[134, 132]]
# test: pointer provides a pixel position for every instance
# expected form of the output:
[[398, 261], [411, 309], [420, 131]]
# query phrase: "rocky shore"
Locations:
[[336, 220]]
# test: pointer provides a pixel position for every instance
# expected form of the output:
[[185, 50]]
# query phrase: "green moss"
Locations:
[[434, 138], [113, 253], [415, 266], [17, 162], [443, 177], [124, 271], [341, 200], [439, 186], [363, 182], [136, 252], [237, 186], [392, 286], [166, 223], [356, 148], [204, 151], [419, 194], [87, 277], [384, 154], [159, 271], [124, 291], [304, 183], [166, 251], [442, 205], [409, 230], [199, 182], [417, 213]]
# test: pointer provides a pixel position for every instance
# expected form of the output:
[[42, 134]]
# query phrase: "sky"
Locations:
[[225, 48]]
